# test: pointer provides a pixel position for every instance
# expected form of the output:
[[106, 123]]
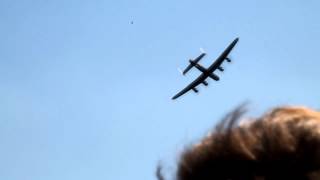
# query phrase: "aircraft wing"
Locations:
[[223, 56], [192, 85]]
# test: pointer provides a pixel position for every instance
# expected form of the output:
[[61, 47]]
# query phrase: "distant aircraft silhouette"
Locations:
[[206, 72]]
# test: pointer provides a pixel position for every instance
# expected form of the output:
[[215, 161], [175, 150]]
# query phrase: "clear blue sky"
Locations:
[[85, 94]]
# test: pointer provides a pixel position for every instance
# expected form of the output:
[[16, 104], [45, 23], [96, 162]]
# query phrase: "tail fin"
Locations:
[[202, 51], [180, 71]]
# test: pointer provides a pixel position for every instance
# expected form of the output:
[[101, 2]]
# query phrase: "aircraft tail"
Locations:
[[193, 62]]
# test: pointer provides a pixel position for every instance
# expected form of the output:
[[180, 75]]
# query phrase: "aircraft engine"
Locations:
[[220, 69], [205, 83], [214, 77], [195, 90]]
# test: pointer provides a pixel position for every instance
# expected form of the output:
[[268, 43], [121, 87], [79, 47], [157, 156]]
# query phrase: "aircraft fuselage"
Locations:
[[206, 72]]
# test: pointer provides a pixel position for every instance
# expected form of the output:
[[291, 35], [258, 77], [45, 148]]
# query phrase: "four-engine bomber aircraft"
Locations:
[[206, 72]]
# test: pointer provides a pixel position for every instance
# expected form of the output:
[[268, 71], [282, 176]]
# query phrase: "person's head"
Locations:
[[282, 144]]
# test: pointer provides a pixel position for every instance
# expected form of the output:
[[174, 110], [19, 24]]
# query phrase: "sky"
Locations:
[[86, 94]]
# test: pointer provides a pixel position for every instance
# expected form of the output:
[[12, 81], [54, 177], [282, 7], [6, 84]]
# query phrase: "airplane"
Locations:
[[206, 72]]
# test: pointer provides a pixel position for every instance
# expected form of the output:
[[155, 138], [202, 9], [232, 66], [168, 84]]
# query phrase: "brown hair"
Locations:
[[282, 144]]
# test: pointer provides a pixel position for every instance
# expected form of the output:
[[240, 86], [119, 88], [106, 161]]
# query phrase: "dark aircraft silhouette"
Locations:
[[206, 72]]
